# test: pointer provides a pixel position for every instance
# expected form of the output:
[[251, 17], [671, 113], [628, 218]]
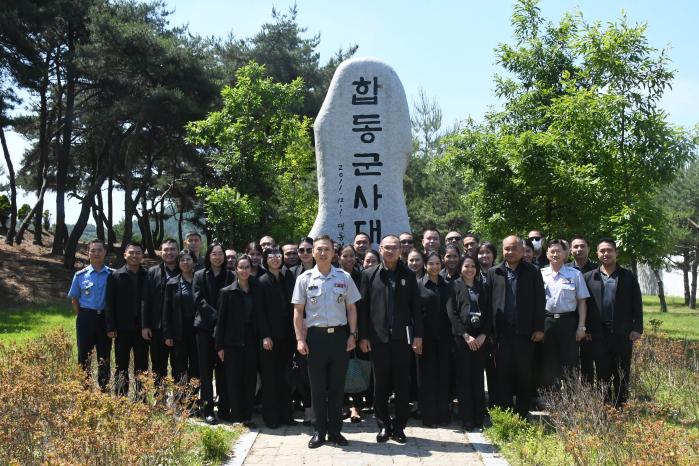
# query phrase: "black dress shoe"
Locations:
[[316, 441], [338, 439], [271, 425], [211, 420], [467, 426], [399, 436], [291, 422], [307, 423], [249, 424], [383, 435]]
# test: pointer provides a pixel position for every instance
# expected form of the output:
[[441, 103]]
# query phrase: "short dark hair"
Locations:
[[345, 246], [579, 237], [431, 229], [528, 243], [472, 235], [96, 241], [452, 246], [192, 233], [168, 240], [607, 239], [244, 257], [362, 234], [405, 233], [134, 244], [374, 252], [558, 242], [267, 252], [323, 238]]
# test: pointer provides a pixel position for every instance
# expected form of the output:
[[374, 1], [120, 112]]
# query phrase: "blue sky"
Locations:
[[444, 47]]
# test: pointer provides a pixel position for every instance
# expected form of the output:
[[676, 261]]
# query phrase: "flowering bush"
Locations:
[[51, 414]]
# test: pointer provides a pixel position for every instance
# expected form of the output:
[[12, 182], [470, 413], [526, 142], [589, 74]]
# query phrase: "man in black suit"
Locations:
[[614, 319], [515, 297], [152, 308], [123, 317], [390, 324]]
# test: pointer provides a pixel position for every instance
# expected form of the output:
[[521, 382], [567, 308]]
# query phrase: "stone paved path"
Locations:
[[288, 446]]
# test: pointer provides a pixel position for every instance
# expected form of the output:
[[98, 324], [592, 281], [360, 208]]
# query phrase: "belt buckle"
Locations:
[[331, 329], [556, 316]]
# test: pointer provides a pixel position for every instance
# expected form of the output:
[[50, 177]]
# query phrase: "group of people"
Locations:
[[432, 321]]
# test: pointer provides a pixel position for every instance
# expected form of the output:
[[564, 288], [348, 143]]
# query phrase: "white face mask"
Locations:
[[537, 244]]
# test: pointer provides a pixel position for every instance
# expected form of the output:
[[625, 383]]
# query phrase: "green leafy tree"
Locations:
[[259, 152], [581, 145]]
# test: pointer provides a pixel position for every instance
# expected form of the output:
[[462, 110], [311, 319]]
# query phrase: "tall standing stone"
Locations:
[[363, 144]]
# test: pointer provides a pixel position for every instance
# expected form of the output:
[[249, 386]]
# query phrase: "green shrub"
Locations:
[[506, 424], [214, 444]]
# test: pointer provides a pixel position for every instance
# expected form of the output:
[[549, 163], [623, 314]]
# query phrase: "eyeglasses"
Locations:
[[453, 239], [535, 238], [389, 248], [305, 250], [274, 256], [405, 242]]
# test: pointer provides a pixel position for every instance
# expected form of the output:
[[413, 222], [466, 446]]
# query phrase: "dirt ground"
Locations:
[[30, 274]]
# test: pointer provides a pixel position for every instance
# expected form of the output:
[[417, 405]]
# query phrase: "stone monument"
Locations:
[[363, 144]]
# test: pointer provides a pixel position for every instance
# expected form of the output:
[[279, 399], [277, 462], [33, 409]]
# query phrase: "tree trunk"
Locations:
[[661, 289], [146, 232], [63, 155], [10, 238], [111, 236], [179, 224], [43, 154], [634, 267], [685, 276], [161, 224], [693, 292], [99, 225], [25, 223]]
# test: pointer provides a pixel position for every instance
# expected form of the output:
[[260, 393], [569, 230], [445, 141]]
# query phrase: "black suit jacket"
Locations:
[[433, 307], [230, 328], [273, 305], [628, 304], [459, 309], [531, 297], [206, 294], [153, 295], [172, 309], [372, 307], [123, 310]]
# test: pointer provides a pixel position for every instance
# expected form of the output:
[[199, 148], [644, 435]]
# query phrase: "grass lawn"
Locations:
[[679, 322], [18, 324]]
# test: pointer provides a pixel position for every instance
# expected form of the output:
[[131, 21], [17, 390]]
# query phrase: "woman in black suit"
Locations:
[[206, 286], [178, 319], [434, 292], [238, 341], [348, 262], [470, 328], [274, 314]]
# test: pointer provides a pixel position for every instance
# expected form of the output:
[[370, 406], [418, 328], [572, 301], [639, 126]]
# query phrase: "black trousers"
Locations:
[[125, 342], [327, 369], [434, 380], [587, 361], [392, 370], [276, 391], [613, 363], [470, 389], [514, 359], [92, 336], [490, 372], [160, 355], [210, 364], [241, 377], [185, 360], [561, 350]]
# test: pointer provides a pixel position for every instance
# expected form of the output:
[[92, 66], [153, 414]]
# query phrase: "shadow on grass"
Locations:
[[33, 319]]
